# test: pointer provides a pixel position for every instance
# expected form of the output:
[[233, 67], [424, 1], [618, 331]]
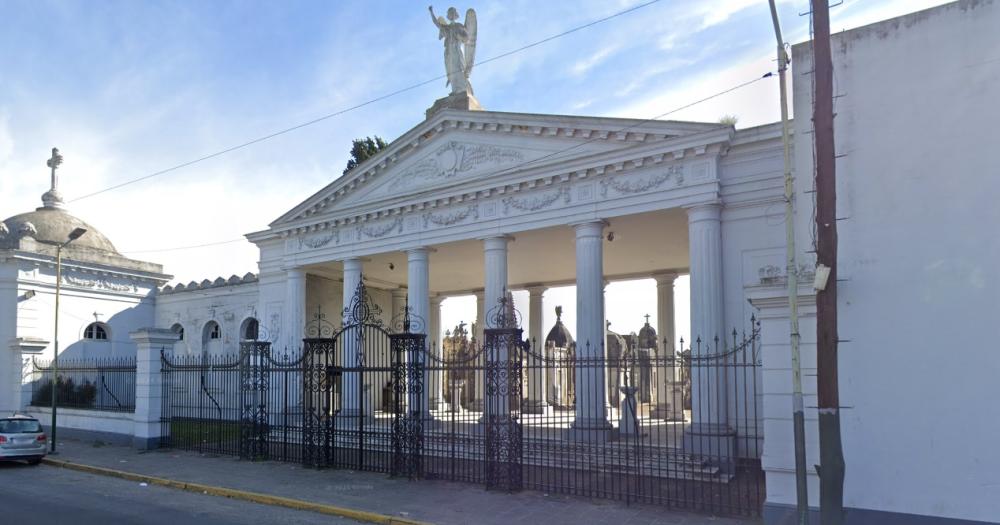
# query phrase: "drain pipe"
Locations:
[[798, 410]]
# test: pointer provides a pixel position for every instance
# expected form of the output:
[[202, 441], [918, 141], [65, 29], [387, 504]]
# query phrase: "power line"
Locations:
[[358, 106], [193, 246], [641, 122], [741, 85]]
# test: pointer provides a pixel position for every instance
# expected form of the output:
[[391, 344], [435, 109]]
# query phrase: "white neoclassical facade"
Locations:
[[485, 202]]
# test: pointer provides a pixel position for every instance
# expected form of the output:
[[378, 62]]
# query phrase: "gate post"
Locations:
[[502, 349], [148, 429], [408, 373], [255, 381]]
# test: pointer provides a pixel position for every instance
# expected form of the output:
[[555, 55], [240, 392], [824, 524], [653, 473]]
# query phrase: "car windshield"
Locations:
[[15, 426]]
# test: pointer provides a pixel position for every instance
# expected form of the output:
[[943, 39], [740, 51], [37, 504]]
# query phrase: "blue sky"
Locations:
[[126, 88]]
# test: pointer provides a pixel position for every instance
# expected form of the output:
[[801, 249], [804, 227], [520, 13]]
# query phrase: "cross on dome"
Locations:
[[52, 198]]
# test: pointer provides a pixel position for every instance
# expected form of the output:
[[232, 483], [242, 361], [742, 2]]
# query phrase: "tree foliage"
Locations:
[[363, 149]]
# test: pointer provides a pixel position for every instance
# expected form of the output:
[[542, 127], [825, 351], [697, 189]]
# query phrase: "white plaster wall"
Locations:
[[752, 237], [918, 249], [90, 420], [10, 366], [228, 305], [122, 312]]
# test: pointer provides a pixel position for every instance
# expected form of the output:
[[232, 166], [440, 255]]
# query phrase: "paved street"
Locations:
[[44, 494], [431, 501]]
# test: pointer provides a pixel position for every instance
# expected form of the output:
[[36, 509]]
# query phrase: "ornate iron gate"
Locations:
[[503, 348], [255, 381], [496, 412], [341, 370], [408, 352]]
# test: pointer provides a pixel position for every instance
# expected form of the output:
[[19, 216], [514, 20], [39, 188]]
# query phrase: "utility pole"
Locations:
[[792, 272], [831, 454]]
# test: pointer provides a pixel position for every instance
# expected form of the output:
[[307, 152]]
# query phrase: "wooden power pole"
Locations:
[[831, 454]]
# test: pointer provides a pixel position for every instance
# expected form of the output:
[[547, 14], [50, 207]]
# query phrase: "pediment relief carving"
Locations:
[[453, 161]]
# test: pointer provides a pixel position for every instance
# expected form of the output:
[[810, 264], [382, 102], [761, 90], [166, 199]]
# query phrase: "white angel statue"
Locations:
[[459, 47]]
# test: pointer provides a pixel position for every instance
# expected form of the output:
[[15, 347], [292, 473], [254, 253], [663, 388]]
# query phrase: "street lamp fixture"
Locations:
[[73, 235]]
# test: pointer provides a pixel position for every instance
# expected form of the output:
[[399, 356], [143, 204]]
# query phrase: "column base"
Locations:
[[352, 415], [146, 443], [533, 406], [714, 443], [666, 413], [597, 430]]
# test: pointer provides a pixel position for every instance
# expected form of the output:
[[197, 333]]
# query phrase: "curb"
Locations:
[[254, 497]]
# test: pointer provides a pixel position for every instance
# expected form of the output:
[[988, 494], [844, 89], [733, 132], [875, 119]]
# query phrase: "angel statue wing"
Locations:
[[470, 45]]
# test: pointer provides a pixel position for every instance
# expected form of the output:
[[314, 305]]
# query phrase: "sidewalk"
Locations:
[[425, 500]]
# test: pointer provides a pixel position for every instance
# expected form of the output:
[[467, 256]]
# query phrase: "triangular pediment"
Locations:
[[464, 148]]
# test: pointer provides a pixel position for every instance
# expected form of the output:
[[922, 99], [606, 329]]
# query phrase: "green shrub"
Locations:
[[69, 394]]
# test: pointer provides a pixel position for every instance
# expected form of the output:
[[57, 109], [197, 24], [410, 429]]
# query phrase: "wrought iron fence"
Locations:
[[106, 384], [675, 428]]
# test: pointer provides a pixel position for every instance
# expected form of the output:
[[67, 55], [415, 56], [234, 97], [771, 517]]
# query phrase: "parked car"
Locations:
[[22, 438]]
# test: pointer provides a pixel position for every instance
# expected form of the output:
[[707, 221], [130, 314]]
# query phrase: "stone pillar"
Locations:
[[534, 374], [295, 309], [418, 288], [709, 432], [495, 288], [398, 304], [480, 362], [495, 285], [350, 394], [666, 372], [436, 400], [148, 427], [15, 392], [591, 422], [480, 315]]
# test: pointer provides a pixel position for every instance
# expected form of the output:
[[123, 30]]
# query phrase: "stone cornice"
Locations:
[[625, 131], [604, 165], [69, 265]]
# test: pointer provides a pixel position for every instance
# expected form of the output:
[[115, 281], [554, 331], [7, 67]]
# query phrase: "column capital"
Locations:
[[666, 277], [353, 264], [711, 211], [590, 228], [398, 292], [421, 249], [496, 242], [480, 294], [536, 289], [294, 271], [436, 299]]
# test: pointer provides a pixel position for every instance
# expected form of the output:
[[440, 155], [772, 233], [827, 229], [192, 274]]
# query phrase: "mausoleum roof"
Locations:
[[53, 226], [559, 335], [42, 231], [647, 336]]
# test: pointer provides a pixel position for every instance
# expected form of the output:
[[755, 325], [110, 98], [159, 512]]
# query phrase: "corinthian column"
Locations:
[[591, 422]]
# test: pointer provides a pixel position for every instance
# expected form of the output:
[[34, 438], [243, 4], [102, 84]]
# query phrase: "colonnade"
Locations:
[[591, 412]]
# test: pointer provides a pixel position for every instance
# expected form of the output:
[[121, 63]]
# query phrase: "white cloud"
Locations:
[[583, 66], [6, 140]]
